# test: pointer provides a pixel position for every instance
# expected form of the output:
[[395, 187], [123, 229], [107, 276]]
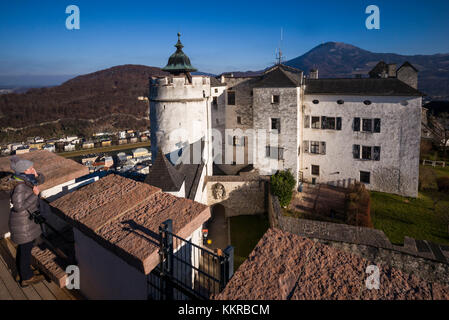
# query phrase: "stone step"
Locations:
[[53, 255]]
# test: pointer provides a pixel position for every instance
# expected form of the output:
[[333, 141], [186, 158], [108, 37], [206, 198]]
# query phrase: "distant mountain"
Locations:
[[336, 59], [74, 107]]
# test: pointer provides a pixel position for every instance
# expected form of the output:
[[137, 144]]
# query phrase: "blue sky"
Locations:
[[218, 35]]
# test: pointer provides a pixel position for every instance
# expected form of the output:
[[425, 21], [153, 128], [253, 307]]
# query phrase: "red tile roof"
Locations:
[[286, 266], [124, 215], [56, 169]]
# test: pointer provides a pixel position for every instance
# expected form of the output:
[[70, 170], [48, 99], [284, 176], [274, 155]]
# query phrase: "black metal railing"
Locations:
[[188, 271]]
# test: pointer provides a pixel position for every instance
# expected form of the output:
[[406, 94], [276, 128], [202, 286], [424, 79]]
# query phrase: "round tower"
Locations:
[[180, 113]]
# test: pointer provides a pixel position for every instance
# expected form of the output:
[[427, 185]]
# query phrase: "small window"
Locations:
[[316, 123], [341, 102], [306, 122], [367, 125], [316, 101], [276, 124], [216, 90], [315, 170], [366, 153], [367, 102], [215, 102], [275, 99], [356, 151], [315, 147], [275, 153], [377, 125], [231, 98], [365, 177], [239, 120], [376, 154], [356, 124]]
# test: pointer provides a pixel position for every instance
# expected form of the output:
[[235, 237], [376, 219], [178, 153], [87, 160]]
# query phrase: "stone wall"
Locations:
[[288, 112], [239, 195], [422, 258], [398, 169]]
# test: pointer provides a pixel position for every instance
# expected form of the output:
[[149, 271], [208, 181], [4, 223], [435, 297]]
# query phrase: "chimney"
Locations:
[[313, 74], [223, 78], [408, 74], [392, 70]]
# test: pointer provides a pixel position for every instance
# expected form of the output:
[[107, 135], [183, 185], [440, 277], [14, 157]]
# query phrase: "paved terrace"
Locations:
[[284, 266]]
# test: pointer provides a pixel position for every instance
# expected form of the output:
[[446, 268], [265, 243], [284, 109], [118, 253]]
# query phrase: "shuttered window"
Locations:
[[376, 154], [356, 151], [377, 125], [356, 124], [339, 124]]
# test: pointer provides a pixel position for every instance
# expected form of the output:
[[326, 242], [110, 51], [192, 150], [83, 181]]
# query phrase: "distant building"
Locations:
[[49, 147], [122, 135], [106, 143], [22, 150], [108, 162], [69, 147], [140, 152], [88, 145]]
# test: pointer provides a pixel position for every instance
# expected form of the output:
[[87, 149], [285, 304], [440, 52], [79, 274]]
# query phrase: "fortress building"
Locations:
[[326, 131]]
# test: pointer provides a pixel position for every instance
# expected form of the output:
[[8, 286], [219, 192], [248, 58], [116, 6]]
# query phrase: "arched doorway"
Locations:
[[217, 226]]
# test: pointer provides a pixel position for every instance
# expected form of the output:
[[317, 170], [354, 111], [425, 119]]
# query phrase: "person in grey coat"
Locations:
[[25, 202]]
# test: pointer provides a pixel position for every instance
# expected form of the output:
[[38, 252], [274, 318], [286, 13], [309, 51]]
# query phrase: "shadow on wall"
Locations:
[[245, 199]]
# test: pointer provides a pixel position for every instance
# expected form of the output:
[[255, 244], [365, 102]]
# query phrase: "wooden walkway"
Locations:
[[11, 290]]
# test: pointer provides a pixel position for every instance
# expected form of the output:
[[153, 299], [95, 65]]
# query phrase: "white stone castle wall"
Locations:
[[289, 113], [180, 113], [398, 168]]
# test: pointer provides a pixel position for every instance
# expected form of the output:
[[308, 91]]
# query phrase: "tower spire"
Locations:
[[179, 62]]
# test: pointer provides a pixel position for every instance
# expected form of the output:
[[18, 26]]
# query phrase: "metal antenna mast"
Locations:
[[279, 56]]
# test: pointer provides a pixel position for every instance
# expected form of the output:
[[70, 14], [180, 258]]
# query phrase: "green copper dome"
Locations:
[[179, 62]]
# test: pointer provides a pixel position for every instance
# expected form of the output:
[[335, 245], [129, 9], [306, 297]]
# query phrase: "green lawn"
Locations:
[[246, 231], [399, 217]]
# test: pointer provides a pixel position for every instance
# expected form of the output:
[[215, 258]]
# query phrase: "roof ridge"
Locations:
[[164, 175]]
